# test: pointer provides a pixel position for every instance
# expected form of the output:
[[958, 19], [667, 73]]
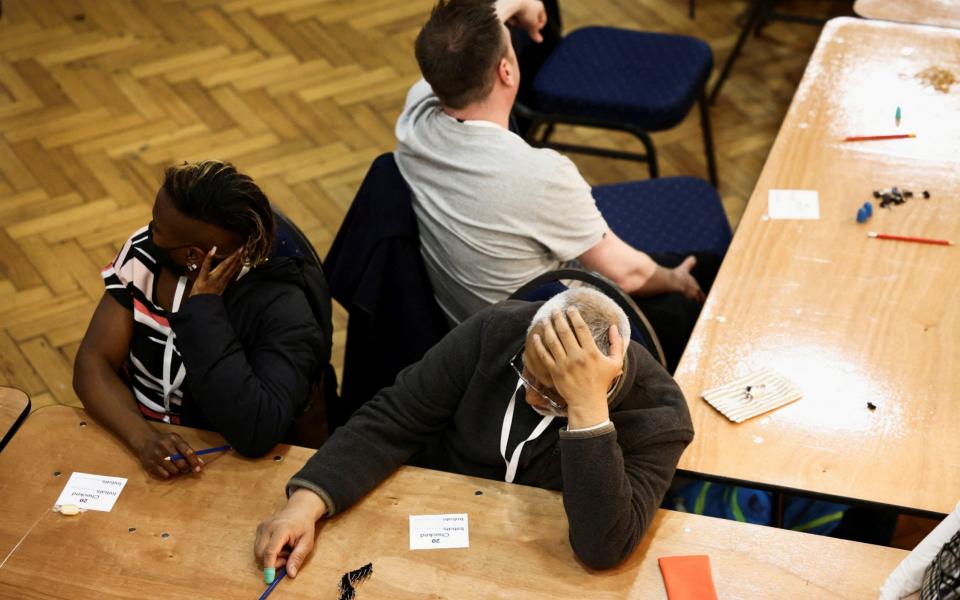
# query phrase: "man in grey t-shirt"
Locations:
[[495, 212]]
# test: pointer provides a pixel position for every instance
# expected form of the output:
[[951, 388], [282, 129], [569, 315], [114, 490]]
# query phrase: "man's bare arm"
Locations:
[[636, 273], [529, 15]]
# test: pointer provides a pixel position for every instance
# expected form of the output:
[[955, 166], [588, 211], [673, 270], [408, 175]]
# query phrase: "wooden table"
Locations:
[[943, 13], [518, 535], [14, 407], [850, 320]]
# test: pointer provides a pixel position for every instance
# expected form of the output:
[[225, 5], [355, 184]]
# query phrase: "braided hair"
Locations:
[[214, 192]]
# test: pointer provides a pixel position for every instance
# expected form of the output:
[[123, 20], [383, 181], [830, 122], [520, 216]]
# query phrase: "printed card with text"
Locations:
[[91, 492], [793, 204], [429, 532]]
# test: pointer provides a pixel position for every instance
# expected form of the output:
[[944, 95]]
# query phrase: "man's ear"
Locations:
[[506, 72]]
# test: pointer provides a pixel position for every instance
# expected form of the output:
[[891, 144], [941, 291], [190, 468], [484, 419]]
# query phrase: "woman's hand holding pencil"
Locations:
[[200, 452], [158, 447]]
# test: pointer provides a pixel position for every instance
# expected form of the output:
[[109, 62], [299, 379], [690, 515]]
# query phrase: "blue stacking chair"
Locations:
[[617, 79], [678, 215]]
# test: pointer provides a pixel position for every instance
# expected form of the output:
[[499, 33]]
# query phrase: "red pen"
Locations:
[[904, 238], [870, 138]]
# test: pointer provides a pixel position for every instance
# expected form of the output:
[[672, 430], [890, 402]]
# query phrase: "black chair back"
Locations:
[[311, 428], [290, 240]]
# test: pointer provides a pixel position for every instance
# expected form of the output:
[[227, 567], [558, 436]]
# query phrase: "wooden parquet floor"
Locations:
[[98, 96]]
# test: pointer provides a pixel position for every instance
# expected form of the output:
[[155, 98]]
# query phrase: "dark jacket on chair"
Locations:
[[376, 272]]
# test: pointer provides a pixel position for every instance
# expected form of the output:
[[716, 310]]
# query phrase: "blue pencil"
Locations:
[[199, 452], [280, 574]]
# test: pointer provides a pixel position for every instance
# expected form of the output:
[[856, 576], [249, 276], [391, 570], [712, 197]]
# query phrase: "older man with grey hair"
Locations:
[[551, 395]]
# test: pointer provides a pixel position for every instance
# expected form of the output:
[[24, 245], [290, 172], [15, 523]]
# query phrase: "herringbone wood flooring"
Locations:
[[98, 96]]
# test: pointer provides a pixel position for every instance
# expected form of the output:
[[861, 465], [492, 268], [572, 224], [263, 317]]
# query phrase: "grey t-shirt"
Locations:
[[493, 211]]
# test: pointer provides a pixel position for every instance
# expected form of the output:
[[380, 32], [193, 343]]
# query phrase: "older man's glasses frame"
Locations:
[[516, 363]]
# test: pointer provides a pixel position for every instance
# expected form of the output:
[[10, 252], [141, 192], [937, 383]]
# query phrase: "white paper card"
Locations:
[[753, 394], [428, 532], [91, 492], [793, 204]]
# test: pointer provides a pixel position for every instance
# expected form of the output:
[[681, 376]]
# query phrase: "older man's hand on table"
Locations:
[[287, 538]]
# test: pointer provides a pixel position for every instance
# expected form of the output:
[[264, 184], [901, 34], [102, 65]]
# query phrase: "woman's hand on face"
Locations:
[[214, 281]]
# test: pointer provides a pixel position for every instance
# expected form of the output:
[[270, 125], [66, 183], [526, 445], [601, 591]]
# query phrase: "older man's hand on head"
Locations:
[[562, 354]]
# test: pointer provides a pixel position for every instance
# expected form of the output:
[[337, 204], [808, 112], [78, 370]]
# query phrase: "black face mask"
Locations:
[[164, 256]]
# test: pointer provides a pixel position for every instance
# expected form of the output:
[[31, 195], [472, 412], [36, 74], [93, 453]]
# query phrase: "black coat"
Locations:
[[253, 354]]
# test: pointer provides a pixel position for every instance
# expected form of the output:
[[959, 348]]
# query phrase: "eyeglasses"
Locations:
[[516, 363]]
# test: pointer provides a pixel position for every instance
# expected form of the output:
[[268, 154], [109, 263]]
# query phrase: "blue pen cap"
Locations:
[[867, 206], [862, 215]]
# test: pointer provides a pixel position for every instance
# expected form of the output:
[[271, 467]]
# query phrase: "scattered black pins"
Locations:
[[871, 406], [353, 578], [478, 493], [895, 196]]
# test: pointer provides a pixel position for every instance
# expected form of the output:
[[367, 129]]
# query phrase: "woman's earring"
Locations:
[[191, 267]]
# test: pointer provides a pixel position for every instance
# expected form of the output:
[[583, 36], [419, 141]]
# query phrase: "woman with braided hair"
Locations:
[[202, 325]]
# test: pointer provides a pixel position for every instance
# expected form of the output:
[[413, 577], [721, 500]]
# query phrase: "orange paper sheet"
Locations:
[[687, 577]]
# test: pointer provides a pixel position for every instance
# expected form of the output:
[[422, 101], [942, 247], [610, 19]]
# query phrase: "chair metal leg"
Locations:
[[542, 140], [766, 17], [547, 132], [771, 14], [647, 142], [778, 508], [759, 14], [708, 138], [754, 12], [530, 135]]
